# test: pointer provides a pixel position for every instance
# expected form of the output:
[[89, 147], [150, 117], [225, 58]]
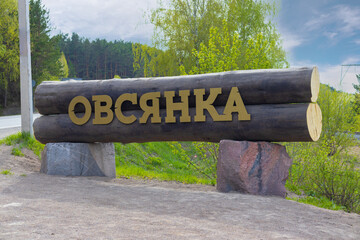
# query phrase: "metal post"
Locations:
[[25, 68]]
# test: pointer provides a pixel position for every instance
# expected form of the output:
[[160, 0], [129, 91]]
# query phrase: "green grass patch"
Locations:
[[321, 202], [6, 172], [23, 140], [169, 161], [139, 172], [17, 152]]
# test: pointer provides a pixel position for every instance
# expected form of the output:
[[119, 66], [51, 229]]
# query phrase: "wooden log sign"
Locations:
[[254, 105]]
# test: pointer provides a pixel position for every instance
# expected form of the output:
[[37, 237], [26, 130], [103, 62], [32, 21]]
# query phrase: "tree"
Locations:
[[98, 59], [184, 25], [150, 61], [9, 52], [65, 67], [225, 52], [45, 51]]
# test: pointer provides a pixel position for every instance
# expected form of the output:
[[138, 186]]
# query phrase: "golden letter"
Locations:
[[148, 110], [182, 106], [71, 110], [98, 119], [132, 97], [235, 104], [201, 105]]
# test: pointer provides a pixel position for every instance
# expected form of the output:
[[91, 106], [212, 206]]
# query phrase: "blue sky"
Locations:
[[323, 33]]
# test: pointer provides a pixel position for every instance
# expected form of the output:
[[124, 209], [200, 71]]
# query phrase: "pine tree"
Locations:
[[45, 51]]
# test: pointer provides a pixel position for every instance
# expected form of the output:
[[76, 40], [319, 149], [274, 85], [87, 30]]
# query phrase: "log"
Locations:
[[270, 86], [278, 122]]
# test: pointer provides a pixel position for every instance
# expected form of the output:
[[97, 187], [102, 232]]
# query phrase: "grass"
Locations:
[[167, 161], [17, 152], [310, 198], [321, 202], [159, 160], [139, 172], [6, 172], [23, 140]]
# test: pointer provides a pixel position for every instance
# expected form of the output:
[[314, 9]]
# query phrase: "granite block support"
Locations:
[[260, 168], [79, 159]]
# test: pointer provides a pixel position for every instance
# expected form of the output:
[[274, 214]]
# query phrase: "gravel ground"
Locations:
[[38, 206]]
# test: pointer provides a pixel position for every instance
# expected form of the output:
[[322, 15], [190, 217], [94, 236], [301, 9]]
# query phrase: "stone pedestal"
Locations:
[[79, 159], [252, 167]]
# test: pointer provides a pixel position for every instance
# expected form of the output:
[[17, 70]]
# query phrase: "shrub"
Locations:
[[338, 119], [318, 174], [324, 168]]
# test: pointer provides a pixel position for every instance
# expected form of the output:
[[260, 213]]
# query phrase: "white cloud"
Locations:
[[108, 19], [290, 41], [349, 17], [357, 41], [351, 60], [317, 22], [340, 21], [330, 35]]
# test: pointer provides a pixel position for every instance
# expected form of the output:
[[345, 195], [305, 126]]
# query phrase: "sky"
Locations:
[[322, 33]]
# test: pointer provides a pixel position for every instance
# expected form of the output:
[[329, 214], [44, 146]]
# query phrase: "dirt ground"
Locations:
[[38, 206]]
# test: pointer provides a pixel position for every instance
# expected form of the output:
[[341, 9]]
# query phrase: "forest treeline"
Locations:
[[97, 59]]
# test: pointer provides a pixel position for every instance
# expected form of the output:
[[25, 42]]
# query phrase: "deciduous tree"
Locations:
[[227, 52], [9, 52], [184, 25]]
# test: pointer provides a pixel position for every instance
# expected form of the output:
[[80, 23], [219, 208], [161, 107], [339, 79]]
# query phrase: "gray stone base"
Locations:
[[260, 168], [79, 159]]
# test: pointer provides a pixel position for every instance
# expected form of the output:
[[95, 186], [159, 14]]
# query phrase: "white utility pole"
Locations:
[[25, 68]]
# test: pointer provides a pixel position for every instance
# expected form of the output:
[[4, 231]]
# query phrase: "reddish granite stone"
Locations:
[[252, 167]]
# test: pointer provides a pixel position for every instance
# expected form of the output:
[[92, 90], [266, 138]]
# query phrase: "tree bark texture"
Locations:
[[271, 86], [269, 122]]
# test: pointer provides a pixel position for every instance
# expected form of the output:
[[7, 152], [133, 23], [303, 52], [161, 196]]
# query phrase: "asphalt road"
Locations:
[[13, 121], [11, 124]]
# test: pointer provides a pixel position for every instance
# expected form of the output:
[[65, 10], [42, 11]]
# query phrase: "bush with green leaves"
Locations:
[[324, 168], [318, 174], [338, 119]]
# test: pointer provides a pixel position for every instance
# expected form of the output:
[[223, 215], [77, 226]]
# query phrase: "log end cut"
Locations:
[[315, 84], [314, 121]]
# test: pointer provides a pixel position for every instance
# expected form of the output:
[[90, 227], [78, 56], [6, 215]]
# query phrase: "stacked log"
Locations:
[[280, 105]]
